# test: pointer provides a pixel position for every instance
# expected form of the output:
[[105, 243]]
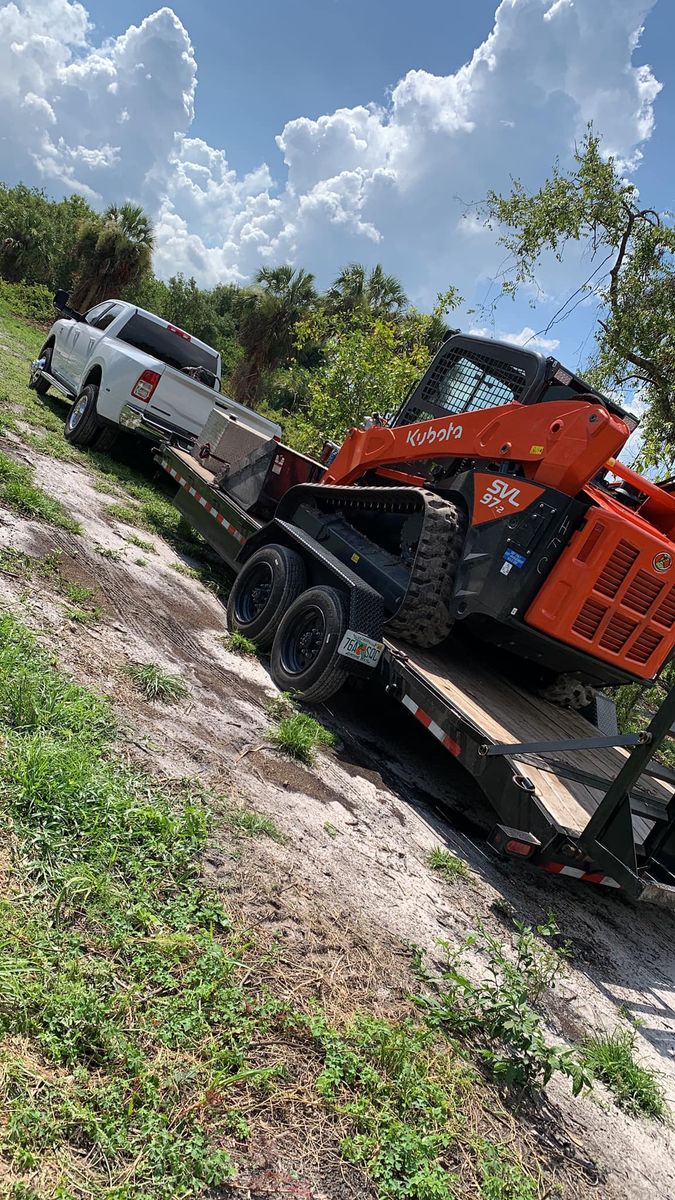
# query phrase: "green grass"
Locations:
[[109, 553], [77, 592], [253, 824], [141, 543], [84, 616], [237, 643], [19, 492], [449, 865], [611, 1058], [183, 569], [142, 1034], [299, 735], [155, 683]]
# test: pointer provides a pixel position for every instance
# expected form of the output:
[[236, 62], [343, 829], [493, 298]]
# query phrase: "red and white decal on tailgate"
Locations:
[[576, 873], [431, 725], [213, 512]]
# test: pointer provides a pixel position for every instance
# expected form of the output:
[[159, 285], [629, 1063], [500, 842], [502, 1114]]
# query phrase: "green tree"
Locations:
[[27, 249], [358, 289], [268, 313], [115, 251], [368, 364], [631, 249]]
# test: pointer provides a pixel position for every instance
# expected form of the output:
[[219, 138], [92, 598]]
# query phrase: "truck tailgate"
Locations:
[[181, 401]]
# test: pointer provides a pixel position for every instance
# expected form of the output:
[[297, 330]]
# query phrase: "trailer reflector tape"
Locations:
[[576, 873], [213, 512], [424, 719]]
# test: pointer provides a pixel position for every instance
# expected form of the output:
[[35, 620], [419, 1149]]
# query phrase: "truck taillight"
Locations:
[[145, 385]]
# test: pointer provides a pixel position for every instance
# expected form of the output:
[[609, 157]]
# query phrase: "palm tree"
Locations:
[[376, 293], [114, 252], [268, 314]]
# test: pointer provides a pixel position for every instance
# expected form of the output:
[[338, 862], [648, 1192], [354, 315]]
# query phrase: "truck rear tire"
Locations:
[[36, 381], [304, 659], [83, 425], [264, 588]]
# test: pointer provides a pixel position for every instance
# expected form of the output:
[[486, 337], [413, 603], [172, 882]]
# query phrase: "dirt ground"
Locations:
[[359, 825]]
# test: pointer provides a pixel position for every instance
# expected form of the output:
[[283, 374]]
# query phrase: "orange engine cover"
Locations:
[[612, 594]]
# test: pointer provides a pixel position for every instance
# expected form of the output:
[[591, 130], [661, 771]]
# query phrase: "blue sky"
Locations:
[[327, 131], [262, 63]]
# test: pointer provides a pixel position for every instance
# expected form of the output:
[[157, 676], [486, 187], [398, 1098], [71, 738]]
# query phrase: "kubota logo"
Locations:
[[419, 437], [662, 561]]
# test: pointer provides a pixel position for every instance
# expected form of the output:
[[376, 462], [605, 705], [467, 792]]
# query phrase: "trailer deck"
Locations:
[[523, 751]]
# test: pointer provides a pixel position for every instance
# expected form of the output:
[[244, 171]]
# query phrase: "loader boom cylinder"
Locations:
[[561, 444]]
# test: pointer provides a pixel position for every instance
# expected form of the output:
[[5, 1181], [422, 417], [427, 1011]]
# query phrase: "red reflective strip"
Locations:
[[220, 518], [554, 868], [451, 745], [423, 718], [593, 877]]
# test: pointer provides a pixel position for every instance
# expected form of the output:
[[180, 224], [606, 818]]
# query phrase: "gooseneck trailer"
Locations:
[[570, 793]]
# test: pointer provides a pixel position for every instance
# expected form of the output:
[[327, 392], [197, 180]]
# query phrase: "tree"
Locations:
[[27, 250], [267, 315], [368, 364], [115, 251], [631, 248], [374, 292]]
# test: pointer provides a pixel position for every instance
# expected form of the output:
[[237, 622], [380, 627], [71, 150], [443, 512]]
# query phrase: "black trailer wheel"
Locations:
[[304, 654], [265, 587], [36, 380], [83, 425]]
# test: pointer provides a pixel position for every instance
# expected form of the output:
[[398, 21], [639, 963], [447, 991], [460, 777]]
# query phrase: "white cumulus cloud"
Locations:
[[389, 179]]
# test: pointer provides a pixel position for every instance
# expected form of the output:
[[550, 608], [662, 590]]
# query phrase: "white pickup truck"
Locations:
[[125, 368]]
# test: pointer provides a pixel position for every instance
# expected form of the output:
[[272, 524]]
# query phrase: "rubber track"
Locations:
[[425, 617]]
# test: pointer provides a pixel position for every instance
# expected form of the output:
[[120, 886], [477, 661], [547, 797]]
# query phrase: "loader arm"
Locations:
[[562, 443]]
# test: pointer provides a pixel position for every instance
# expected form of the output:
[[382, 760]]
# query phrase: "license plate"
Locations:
[[361, 649]]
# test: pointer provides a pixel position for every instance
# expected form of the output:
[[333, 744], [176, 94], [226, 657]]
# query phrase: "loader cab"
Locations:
[[469, 374]]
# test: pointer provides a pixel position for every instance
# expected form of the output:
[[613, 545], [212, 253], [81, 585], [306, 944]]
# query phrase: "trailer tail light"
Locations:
[[145, 385], [513, 841]]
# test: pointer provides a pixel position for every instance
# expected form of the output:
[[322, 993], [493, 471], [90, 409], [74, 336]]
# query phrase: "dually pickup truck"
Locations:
[[125, 368]]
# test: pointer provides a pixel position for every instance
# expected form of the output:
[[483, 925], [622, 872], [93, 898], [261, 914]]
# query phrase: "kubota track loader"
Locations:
[[489, 501]]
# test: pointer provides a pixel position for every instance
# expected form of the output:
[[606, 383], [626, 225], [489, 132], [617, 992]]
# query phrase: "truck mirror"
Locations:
[[61, 298]]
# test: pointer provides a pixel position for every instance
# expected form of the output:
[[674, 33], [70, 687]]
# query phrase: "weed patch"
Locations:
[[83, 616], [253, 824], [237, 643], [498, 1014], [298, 735], [450, 866], [611, 1058], [19, 492], [155, 683]]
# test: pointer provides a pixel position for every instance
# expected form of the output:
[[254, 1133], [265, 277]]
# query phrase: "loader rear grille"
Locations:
[[606, 597], [616, 569], [644, 646], [617, 633], [665, 613], [588, 621], [642, 592]]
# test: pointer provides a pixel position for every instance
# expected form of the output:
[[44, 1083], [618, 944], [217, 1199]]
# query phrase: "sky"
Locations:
[[319, 132]]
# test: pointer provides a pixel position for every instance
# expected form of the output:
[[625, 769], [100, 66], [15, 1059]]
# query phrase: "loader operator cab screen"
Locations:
[[464, 381]]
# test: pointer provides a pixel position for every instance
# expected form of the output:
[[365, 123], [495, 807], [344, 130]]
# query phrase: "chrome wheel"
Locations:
[[77, 412]]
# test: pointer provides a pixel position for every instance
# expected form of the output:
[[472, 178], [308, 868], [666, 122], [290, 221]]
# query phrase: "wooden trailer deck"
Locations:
[[504, 713]]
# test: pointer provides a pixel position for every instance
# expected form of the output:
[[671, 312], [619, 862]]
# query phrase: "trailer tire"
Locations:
[[83, 425], [305, 657], [264, 589]]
